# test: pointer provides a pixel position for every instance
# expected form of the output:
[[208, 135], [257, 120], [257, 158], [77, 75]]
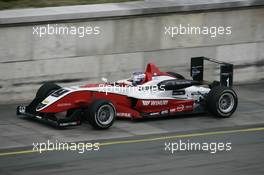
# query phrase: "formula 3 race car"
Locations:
[[146, 94]]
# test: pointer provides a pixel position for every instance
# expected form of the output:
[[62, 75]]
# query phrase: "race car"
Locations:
[[148, 94]]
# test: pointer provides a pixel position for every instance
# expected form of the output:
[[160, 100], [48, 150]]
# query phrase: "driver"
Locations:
[[137, 78]]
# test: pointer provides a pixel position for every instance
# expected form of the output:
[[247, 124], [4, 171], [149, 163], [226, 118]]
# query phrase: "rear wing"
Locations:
[[226, 70]]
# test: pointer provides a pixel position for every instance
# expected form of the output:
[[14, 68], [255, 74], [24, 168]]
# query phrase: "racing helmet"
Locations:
[[137, 78]]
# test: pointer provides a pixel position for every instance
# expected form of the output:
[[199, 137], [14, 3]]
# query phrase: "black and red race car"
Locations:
[[146, 94]]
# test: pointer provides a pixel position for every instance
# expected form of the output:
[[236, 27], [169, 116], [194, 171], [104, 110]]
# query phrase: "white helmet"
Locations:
[[137, 78]]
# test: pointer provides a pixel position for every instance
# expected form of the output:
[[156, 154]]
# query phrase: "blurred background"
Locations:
[[15, 4], [132, 34]]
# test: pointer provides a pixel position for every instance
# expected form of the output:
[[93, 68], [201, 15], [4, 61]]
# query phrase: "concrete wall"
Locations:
[[124, 45]]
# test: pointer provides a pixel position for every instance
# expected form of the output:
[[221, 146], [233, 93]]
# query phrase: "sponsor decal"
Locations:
[[154, 102], [154, 113], [164, 112], [180, 108], [63, 104], [178, 92], [173, 110], [145, 103], [45, 102], [123, 114], [68, 124], [22, 109], [188, 107], [39, 117], [195, 71]]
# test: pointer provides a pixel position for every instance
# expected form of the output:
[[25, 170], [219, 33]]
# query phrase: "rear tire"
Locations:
[[221, 101], [101, 114]]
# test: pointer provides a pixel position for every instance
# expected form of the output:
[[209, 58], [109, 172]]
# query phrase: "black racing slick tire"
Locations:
[[101, 114], [221, 101], [44, 91], [176, 75]]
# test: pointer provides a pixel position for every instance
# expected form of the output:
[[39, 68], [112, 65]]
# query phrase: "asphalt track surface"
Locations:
[[145, 156], [139, 147]]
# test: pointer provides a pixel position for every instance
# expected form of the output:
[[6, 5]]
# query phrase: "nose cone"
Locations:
[[71, 99], [48, 104]]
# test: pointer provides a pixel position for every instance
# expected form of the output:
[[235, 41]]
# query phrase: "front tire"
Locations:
[[221, 101], [44, 91], [101, 114]]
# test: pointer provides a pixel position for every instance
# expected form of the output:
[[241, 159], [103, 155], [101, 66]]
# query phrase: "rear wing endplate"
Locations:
[[226, 70]]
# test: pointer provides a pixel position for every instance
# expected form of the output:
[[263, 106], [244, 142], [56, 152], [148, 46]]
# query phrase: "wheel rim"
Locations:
[[226, 102], [105, 114]]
